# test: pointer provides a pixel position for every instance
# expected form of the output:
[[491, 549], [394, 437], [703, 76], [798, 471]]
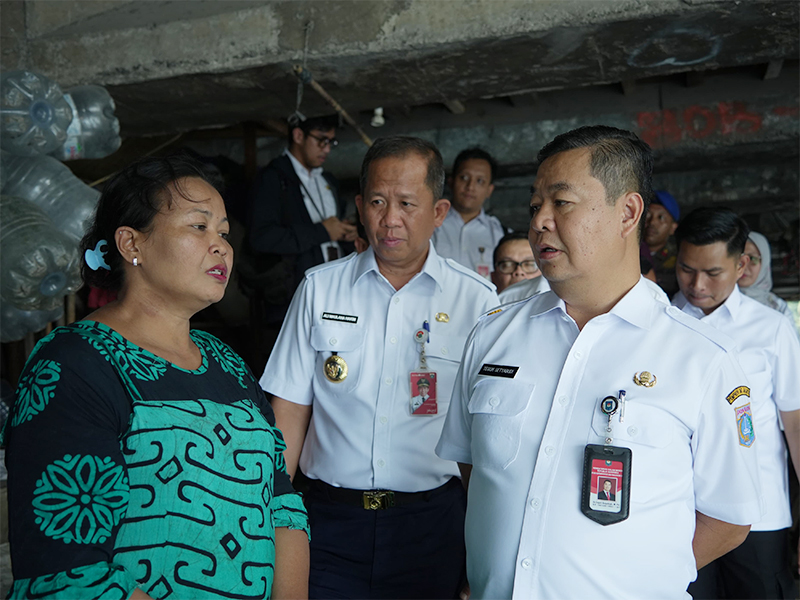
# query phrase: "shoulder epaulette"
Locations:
[[330, 265], [707, 331], [462, 269]]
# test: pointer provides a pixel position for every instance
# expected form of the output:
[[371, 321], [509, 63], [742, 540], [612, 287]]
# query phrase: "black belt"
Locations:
[[377, 499]]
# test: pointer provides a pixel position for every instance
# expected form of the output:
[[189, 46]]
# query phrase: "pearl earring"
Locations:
[[135, 262]]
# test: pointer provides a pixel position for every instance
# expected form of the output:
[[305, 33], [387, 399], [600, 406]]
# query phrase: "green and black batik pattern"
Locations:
[[127, 471]]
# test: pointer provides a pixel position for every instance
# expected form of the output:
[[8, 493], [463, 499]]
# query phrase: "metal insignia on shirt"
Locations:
[[645, 379], [442, 317], [744, 424], [337, 317], [740, 391], [499, 371], [335, 368]]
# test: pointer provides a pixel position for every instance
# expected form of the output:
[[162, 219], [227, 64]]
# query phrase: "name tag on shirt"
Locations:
[[499, 371], [337, 317]]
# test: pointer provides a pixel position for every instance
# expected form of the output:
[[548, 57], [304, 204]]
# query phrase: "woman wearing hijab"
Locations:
[[756, 281]]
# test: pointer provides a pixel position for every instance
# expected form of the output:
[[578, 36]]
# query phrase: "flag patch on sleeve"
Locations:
[[740, 391]]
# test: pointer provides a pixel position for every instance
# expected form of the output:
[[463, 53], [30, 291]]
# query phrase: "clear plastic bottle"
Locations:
[[15, 324], [51, 186], [34, 115], [40, 265], [94, 130]]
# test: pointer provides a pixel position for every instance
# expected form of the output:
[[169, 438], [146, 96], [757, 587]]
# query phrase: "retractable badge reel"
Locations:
[[606, 490], [423, 382]]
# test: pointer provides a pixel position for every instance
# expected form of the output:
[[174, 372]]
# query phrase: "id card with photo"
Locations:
[[606, 490], [423, 393]]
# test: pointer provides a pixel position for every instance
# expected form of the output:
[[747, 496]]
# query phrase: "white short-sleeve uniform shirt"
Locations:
[[463, 241], [769, 352], [525, 437], [362, 434]]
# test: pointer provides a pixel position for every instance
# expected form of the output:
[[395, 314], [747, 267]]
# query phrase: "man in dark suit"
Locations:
[[295, 219], [606, 493]]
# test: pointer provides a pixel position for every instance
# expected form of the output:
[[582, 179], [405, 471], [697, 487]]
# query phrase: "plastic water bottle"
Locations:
[[15, 324], [40, 265], [51, 186], [94, 130], [34, 115]]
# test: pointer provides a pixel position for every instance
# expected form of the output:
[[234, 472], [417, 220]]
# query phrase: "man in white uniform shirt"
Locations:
[[711, 259], [597, 379], [387, 513], [468, 234]]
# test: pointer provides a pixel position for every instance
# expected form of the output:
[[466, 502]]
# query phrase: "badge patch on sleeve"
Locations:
[[744, 424], [742, 390]]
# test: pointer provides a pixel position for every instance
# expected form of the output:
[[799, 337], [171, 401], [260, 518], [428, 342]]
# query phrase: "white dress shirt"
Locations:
[[769, 352], [318, 198], [526, 536], [462, 241], [362, 434]]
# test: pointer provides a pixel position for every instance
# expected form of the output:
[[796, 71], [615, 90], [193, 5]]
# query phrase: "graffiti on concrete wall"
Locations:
[[664, 128], [676, 46]]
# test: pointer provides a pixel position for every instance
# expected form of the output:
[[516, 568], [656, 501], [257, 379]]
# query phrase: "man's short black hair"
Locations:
[[509, 237], [475, 153], [619, 159], [710, 225], [310, 124], [399, 146]]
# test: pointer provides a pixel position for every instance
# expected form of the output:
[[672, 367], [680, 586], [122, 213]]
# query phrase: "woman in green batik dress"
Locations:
[[143, 457]]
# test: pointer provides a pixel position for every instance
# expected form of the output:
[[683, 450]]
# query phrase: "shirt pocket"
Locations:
[[443, 355], [497, 408], [644, 425], [647, 431], [348, 343]]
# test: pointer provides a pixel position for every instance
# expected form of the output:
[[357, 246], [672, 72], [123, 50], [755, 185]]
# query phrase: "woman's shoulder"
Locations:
[[224, 355], [76, 342]]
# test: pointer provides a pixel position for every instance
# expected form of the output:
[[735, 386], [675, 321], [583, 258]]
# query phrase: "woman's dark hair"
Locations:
[[132, 198]]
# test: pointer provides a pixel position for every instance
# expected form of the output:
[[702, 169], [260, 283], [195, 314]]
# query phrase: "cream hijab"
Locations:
[[761, 289]]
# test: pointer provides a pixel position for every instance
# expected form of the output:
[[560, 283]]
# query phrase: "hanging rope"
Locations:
[[300, 85]]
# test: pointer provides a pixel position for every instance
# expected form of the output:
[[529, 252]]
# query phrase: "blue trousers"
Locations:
[[410, 551]]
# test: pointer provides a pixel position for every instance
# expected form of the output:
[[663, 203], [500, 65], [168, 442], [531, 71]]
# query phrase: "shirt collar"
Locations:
[[636, 307], [299, 168], [432, 267], [454, 214], [730, 307]]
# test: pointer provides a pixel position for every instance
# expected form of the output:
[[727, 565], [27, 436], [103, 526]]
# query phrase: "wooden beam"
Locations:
[[628, 87], [455, 106], [695, 78], [773, 69]]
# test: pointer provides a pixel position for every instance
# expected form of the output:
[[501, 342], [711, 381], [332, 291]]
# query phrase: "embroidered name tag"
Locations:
[[337, 317], [742, 390], [498, 371]]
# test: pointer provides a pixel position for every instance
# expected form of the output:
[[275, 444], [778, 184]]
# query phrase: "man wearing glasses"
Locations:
[[516, 274], [296, 216]]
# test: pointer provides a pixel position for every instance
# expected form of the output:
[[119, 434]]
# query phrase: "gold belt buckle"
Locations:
[[378, 500]]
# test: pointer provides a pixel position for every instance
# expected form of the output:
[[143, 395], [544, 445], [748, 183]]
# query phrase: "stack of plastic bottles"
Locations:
[[44, 207]]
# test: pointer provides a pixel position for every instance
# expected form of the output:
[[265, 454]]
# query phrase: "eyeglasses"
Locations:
[[509, 266], [323, 141], [754, 260]]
